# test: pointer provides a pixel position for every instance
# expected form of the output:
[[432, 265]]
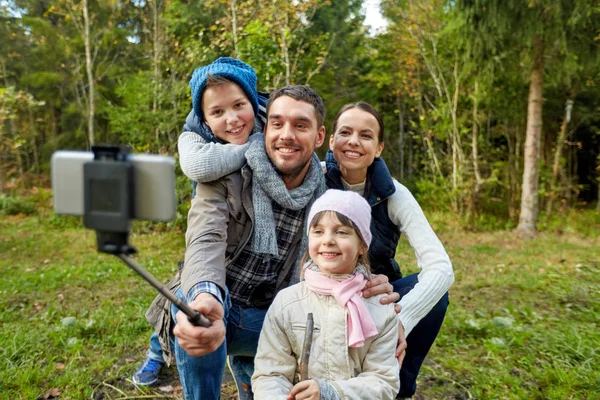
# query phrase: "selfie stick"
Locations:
[[194, 316], [109, 207]]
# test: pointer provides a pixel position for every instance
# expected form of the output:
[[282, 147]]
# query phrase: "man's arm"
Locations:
[[206, 237], [206, 243]]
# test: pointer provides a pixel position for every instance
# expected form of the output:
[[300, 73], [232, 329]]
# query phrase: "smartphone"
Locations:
[[155, 198]]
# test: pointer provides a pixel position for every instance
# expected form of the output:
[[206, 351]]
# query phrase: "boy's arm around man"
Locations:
[[203, 161]]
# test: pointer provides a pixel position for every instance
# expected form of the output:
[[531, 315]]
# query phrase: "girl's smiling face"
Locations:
[[333, 246]]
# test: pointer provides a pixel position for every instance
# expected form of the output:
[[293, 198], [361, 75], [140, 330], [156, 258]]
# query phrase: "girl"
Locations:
[[354, 339]]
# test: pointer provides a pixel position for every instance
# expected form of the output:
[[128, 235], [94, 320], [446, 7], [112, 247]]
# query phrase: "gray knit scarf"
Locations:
[[267, 185]]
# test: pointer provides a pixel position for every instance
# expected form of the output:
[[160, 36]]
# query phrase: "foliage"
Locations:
[[17, 130], [133, 119], [439, 72], [13, 206]]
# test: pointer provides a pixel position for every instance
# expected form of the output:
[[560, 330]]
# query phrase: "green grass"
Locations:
[[522, 324], [523, 319]]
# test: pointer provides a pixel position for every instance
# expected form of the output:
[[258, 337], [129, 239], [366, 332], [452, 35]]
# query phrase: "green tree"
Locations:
[[539, 29], [14, 105]]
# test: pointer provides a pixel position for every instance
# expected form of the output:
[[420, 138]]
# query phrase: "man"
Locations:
[[245, 234], [220, 223]]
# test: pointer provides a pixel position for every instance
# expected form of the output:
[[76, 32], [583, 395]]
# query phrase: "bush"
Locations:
[[433, 195], [13, 206], [583, 221]]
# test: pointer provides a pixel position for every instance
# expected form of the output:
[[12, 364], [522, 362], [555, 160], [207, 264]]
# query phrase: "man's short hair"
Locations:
[[301, 93]]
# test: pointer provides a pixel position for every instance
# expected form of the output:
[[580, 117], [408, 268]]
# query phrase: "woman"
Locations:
[[353, 164]]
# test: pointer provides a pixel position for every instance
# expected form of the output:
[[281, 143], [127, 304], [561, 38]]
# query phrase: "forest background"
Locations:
[[492, 109]]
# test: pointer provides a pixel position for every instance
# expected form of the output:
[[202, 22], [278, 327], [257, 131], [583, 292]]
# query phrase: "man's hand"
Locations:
[[401, 349], [379, 284], [198, 341], [305, 390]]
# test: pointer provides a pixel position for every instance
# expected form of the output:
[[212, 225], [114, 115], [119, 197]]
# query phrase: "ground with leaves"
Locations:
[[523, 319]]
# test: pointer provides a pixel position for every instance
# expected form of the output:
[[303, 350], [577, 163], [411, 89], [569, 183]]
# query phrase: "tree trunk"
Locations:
[[428, 145], [458, 157], [156, 51], [474, 153], [17, 154], [401, 134], [286, 55], [409, 145], [457, 154], [88, 68], [10, 131], [560, 141], [34, 135], [531, 169], [511, 171], [234, 28], [9, 121], [514, 138]]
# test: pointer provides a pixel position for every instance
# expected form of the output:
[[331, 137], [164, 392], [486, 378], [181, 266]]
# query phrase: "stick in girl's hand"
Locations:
[[308, 336]]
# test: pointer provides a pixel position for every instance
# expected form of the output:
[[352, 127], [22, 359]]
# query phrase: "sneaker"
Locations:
[[147, 375]]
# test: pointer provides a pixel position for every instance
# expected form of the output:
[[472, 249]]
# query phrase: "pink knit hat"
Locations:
[[349, 204]]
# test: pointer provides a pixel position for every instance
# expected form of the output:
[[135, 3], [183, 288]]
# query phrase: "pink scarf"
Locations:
[[348, 293]]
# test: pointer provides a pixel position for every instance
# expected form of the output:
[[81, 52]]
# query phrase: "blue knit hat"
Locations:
[[235, 70]]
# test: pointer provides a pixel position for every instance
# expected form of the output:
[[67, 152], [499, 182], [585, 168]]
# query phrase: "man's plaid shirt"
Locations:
[[251, 278]]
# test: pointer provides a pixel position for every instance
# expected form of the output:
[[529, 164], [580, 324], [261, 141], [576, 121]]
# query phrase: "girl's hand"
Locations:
[[379, 284], [305, 390]]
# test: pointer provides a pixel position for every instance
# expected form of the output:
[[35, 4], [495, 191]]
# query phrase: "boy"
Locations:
[[227, 110]]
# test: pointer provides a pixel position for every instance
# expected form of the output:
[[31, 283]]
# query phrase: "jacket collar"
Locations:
[[379, 185]]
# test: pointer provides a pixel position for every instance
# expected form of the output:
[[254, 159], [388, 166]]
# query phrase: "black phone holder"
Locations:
[[109, 198], [109, 207]]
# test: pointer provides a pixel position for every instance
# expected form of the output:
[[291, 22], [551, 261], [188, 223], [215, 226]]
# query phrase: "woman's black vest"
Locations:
[[378, 188]]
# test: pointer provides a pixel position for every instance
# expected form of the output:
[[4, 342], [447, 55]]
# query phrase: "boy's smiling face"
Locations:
[[228, 112]]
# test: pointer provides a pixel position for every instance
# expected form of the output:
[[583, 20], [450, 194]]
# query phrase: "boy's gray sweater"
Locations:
[[205, 162]]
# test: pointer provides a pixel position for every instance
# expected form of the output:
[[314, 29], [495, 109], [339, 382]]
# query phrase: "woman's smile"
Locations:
[[355, 143], [352, 154]]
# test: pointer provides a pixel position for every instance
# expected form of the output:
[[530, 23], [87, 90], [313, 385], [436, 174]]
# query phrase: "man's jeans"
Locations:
[[421, 337], [201, 376]]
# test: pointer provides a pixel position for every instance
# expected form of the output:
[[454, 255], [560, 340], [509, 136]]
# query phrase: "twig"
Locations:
[[126, 397], [115, 388], [308, 337]]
